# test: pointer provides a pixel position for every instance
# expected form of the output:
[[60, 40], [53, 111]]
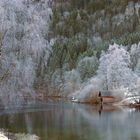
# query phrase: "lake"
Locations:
[[70, 121]]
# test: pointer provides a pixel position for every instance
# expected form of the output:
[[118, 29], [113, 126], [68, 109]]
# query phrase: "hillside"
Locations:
[[83, 29]]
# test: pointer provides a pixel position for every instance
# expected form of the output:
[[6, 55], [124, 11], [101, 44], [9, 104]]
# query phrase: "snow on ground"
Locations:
[[3, 137]]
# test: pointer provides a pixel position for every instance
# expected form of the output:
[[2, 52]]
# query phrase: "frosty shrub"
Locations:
[[67, 82], [72, 81]]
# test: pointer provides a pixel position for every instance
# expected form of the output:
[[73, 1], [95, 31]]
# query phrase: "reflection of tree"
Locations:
[[100, 109]]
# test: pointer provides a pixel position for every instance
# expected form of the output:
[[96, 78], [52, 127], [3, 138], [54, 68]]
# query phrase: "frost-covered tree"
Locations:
[[102, 70], [24, 47], [114, 68]]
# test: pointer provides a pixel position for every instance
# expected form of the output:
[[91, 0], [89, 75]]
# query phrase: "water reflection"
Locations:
[[63, 121]]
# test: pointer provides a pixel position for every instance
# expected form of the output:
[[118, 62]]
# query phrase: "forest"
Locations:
[[69, 48]]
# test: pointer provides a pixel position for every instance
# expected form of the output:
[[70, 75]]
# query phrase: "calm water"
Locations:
[[68, 121]]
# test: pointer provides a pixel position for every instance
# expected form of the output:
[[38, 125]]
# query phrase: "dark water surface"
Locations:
[[70, 121]]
